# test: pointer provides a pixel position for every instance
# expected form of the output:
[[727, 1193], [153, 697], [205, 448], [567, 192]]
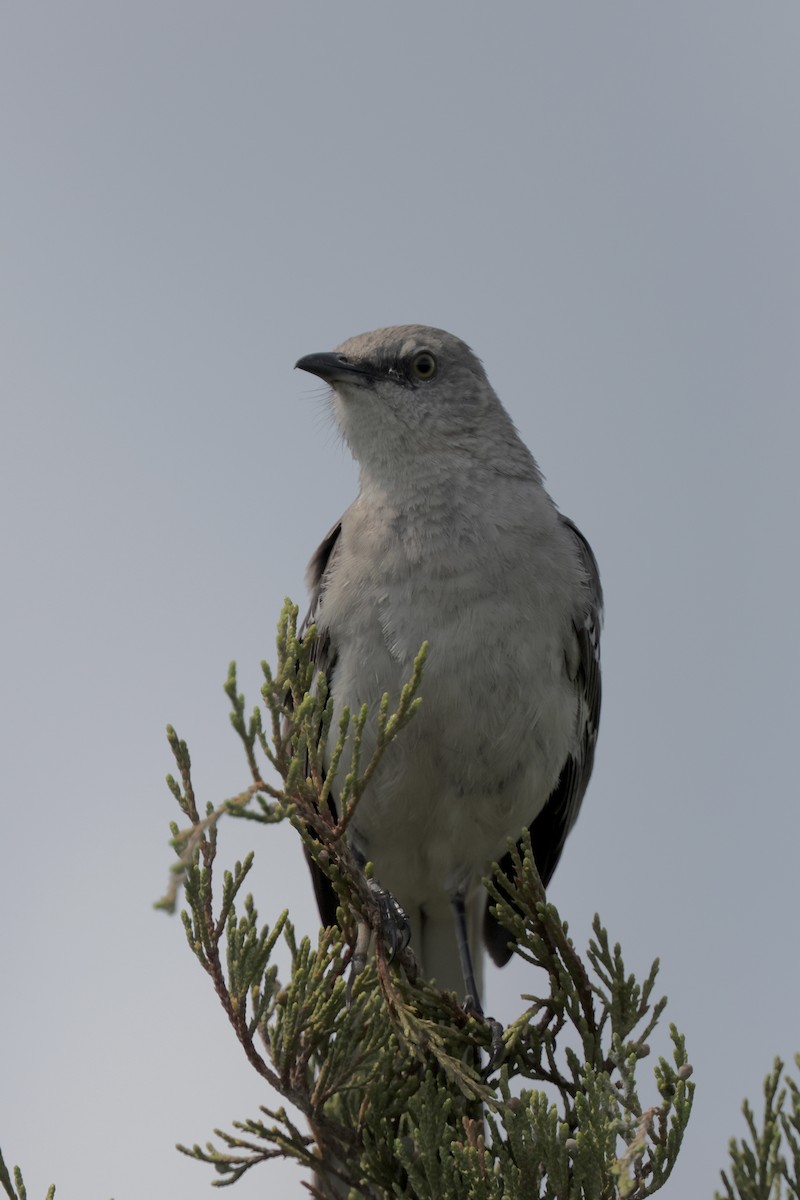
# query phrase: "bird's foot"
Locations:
[[395, 927], [496, 1047], [472, 1008]]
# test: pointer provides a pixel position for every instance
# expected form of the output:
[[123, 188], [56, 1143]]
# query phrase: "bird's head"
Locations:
[[410, 392]]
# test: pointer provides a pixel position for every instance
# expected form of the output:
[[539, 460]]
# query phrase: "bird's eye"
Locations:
[[423, 365]]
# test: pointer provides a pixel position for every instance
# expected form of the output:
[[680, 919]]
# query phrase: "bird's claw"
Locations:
[[472, 1007]]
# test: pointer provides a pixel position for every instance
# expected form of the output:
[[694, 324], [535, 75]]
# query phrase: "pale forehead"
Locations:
[[400, 341]]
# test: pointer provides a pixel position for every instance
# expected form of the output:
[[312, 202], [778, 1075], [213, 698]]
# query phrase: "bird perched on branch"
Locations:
[[454, 540]]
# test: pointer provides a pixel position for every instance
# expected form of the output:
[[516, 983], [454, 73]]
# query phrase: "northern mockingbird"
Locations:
[[454, 540]]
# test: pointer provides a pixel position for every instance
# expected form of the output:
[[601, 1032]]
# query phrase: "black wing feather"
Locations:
[[325, 659]]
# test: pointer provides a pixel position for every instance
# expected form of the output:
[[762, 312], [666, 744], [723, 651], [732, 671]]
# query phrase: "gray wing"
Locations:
[[550, 829], [325, 660], [324, 655]]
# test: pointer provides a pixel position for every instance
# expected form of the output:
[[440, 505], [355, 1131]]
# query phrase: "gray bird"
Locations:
[[454, 540]]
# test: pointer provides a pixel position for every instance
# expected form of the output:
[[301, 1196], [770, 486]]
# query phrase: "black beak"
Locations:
[[333, 366]]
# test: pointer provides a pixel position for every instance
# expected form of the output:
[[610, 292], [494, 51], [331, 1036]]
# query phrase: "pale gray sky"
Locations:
[[602, 199]]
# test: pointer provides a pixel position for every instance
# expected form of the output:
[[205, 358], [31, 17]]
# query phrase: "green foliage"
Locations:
[[768, 1167], [382, 1068], [17, 1190]]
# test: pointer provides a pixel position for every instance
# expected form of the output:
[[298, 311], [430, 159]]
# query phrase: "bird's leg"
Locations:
[[472, 1000]]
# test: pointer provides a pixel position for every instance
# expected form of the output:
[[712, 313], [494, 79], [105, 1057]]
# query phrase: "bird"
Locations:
[[453, 539]]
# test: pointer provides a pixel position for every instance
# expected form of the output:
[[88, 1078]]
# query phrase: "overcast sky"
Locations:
[[602, 199]]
